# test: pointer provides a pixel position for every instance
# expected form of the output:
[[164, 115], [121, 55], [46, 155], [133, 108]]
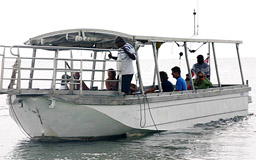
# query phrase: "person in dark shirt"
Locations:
[[167, 86]]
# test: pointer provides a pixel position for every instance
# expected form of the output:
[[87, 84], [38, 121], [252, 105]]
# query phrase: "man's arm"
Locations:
[[111, 57], [132, 56]]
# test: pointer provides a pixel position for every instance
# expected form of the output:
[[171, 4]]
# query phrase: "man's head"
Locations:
[[176, 72], [119, 42], [200, 59]]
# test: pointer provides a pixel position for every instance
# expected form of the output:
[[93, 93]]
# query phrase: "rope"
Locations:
[[142, 126], [179, 44], [193, 51], [145, 100], [149, 109]]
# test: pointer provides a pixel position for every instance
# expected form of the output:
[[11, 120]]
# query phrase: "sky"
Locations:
[[218, 19]]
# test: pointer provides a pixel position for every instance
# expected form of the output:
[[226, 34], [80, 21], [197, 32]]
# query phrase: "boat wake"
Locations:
[[223, 122]]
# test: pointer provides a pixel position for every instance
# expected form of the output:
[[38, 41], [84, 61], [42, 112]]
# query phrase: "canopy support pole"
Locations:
[[2, 70], [239, 61], [188, 66], [209, 60], [216, 65], [156, 67], [138, 70], [155, 71]]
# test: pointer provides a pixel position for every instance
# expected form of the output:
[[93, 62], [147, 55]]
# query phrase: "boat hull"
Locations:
[[47, 116]]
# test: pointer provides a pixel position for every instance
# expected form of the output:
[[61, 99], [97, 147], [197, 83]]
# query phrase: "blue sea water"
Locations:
[[225, 139]]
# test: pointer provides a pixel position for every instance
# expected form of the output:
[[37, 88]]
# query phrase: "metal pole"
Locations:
[[71, 73], [209, 60], [155, 71], [239, 61], [32, 68], [93, 67], [189, 70], [81, 78], [19, 75], [120, 76], [138, 70], [55, 64], [216, 66], [156, 67], [103, 72], [2, 70], [194, 13]]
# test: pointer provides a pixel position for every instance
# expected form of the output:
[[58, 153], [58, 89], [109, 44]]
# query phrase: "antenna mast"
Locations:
[[196, 17], [194, 13]]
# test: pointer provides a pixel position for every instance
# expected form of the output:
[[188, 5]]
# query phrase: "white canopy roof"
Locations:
[[97, 38]]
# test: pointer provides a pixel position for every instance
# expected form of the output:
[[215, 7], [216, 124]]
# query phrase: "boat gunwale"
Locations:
[[97, 98]]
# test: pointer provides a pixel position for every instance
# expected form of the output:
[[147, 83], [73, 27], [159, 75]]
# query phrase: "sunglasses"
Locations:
[[201, 76]]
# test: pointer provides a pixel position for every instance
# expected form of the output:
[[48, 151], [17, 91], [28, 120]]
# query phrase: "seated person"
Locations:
[[77, 81], [111, 85], [187, 80], [133, 88], [180, 83], [201, 66], [167, 86], [201, 82], [65, 79]]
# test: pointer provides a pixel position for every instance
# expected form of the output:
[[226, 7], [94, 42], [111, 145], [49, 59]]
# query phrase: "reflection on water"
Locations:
[[224, 139]]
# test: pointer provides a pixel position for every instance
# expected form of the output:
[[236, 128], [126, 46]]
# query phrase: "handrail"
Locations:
[[20, 80], [17, 55]]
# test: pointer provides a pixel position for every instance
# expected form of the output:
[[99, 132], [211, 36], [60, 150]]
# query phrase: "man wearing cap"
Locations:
[[201, 66], [127, 55]]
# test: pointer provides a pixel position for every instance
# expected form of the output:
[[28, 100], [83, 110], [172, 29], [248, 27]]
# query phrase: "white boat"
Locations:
[[45, 112]]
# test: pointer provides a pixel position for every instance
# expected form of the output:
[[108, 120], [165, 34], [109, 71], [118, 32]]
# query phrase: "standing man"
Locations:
[[201, 66], [180, 84], [127, 55]]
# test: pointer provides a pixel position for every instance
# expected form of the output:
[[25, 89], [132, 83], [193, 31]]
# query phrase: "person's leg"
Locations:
[[126, 83], [117, 83]]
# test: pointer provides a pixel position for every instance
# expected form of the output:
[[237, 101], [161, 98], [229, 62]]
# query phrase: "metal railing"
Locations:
[[15, 69]]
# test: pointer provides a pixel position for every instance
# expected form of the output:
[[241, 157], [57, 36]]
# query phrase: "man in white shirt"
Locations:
[[127, 55]]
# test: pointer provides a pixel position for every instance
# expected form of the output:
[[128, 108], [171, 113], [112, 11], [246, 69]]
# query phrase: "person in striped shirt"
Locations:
[[126, 55]]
